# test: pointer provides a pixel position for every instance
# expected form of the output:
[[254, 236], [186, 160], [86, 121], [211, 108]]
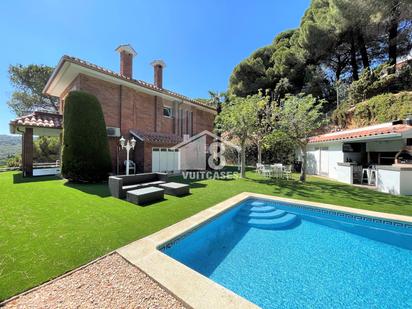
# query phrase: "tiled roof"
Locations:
[[386, 128], [135, 81], [157, 137], [40, 120]]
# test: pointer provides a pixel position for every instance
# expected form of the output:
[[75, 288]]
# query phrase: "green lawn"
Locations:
[[48, 226]]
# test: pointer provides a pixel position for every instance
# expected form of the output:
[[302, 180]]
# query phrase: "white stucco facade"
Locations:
[[365, 156], [328, 159], [396, 181], [323, 159]]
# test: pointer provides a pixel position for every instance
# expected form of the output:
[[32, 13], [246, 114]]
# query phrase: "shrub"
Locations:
[[340, 115], [383, 108], [85, 153], [14, 161], [380, 81], [46, 149], [278, 147]]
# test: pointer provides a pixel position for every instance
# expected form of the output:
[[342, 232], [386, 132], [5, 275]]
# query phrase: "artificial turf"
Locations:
[[49, 226]]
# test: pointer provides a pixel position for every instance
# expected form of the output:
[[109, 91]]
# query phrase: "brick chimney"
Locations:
[[127, 53], [158, 66]]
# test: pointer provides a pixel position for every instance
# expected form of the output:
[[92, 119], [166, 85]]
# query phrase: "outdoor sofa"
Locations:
[[119, 185]]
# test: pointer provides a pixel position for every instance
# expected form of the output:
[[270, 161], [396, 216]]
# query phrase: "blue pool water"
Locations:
[[318, 260]]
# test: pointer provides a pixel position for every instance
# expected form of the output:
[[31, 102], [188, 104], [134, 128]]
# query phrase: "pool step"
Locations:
[[268, 224], [261, 215], [259, 209], [276, 213], [257, 203]]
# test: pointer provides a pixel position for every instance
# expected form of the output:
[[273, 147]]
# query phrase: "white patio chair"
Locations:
[[132, 166], [373, 173], [365, 172], [287, 171], [267, 171], [259, 168], [276, 171]]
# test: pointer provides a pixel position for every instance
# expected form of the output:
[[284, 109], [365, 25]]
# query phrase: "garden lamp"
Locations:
[[127, 145], [122, 141]]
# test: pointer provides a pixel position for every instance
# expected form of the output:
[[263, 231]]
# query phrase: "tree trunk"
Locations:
[[259, 149], [353, 61], [242, 160], [304, 162], [393, 32], [338, 72], [219, 108], [363, 51]]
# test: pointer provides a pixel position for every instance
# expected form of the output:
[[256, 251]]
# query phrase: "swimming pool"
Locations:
[[284, 255]]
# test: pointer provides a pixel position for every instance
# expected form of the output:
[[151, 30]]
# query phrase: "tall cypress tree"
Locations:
[[85, 154]]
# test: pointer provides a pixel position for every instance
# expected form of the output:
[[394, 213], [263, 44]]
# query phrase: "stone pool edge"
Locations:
[[189, 286]]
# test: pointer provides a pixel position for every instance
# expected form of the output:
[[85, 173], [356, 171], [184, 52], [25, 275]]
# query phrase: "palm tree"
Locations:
[[216, 99]]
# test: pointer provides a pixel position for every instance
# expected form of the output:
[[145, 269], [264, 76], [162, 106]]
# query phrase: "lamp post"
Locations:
[[128, 145]]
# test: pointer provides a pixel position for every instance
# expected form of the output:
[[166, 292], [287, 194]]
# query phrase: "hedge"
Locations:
[[85, 153]]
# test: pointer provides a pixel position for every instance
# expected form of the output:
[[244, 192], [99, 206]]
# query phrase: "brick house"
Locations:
[[155, 117]]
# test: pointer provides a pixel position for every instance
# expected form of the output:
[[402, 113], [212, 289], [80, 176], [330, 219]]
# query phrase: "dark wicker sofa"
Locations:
[[120, 184]]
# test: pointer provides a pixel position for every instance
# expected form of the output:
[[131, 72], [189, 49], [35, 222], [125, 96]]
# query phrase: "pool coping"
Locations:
[[189, 286]]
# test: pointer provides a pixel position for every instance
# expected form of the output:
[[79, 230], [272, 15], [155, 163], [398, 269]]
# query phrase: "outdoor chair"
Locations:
[[365, 175], [120, 184], [259, 168], [373, 176], [277, 171], [267, 171], [132, 166], [287, 171]]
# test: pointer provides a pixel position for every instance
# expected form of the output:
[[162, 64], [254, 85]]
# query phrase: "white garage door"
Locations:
[[165, 160]]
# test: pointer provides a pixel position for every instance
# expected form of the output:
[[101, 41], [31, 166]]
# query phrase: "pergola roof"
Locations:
[[38, 120], [382, 130]]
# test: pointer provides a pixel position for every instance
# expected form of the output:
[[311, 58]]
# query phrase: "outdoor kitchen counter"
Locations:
[[344, 171], [394, 179]]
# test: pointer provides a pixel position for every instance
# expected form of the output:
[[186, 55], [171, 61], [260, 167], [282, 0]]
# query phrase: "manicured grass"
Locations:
[[48, 226]]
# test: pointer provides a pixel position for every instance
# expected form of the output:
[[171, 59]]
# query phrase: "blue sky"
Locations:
[[200, 41]]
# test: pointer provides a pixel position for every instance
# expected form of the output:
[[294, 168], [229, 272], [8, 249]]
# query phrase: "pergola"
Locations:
[[34, 124]]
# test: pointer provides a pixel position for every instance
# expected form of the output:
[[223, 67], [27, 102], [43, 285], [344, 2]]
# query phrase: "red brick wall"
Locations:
[[166, 122], [108, 95], [75, 85], [202, 120], [128, 109]]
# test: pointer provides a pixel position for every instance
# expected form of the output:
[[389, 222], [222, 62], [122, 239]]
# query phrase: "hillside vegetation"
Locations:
[[10, 145], [381, 108], [380, 95]]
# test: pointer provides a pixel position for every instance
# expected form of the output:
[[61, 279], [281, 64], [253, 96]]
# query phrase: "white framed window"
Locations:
[[167, 111]]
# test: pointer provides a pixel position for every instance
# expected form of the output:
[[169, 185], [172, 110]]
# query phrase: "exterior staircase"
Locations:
[[259, 215]]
